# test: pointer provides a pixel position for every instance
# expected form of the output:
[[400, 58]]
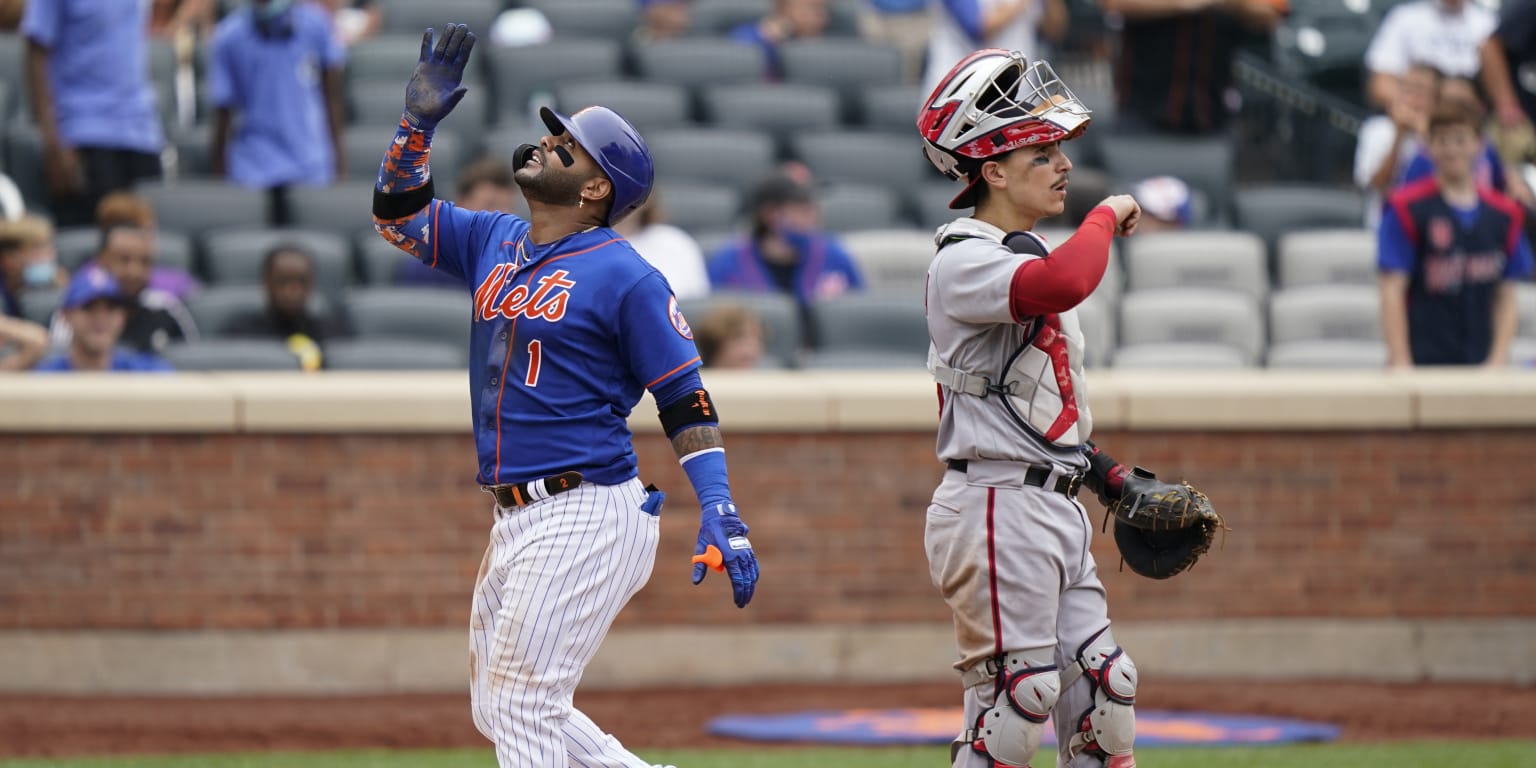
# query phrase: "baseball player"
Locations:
[[1007, 540], [570, 325]]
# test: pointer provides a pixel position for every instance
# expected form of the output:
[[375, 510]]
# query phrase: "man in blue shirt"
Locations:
[[1450, 251], [275, 79], [789, 20], [88, 75], [97, 311]]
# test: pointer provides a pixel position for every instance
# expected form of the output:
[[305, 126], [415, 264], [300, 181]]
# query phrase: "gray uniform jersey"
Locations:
[[971, 327]]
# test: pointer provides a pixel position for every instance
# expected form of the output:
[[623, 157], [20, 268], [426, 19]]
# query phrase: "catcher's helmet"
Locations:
[[993, 102], [618, 150]]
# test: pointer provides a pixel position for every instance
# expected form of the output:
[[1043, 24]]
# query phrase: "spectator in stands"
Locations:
[[785, 251], [288, 273], [730, 337], [484, 185], [664, 20], [88, 75], [11, 281], [903, 24], [1446, 34], [22, 343], [97, 313], [154, 319], [275, 80], [789, 20], [960, 27], [1488, 168], [1167, 204], [668, 248], [129, 209], [1509, 77], [1449, 251], [1174, 64], [29, 242], [1388, 142], [172, 18]]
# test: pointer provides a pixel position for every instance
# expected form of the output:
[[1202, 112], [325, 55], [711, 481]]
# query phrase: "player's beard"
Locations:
[[551, 187]]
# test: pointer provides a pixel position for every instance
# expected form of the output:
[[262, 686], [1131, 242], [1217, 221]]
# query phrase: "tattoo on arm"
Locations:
[[695, 439]]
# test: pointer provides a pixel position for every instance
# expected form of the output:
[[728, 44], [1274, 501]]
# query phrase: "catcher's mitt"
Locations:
[[1161, 528]]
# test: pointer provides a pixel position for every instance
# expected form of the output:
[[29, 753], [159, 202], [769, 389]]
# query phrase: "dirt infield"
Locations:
[[57, 726]]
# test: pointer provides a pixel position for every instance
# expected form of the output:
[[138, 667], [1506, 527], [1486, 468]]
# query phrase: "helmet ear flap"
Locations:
[[952, 166]]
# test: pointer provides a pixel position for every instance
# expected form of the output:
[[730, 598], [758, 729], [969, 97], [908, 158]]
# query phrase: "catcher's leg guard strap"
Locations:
[[1110, 724], [1026, 687]]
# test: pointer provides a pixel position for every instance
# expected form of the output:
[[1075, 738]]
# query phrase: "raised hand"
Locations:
[[434, 87]]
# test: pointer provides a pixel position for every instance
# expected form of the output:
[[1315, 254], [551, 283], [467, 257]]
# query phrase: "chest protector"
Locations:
[[1041, 383]]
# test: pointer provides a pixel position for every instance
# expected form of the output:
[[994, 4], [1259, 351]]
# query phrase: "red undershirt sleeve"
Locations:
[[1061, 280]]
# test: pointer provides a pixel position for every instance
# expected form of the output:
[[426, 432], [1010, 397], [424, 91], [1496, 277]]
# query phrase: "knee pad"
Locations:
[[1110, 724], [1027, 685]]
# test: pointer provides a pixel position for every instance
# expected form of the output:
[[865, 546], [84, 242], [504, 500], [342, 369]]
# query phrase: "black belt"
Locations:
[[1066, 485], [514, 495]]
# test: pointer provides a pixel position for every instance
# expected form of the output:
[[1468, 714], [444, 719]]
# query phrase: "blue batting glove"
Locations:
[[721, 528], [434, 87]]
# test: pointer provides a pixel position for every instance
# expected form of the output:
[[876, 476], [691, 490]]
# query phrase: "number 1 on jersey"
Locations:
[[535, 356]]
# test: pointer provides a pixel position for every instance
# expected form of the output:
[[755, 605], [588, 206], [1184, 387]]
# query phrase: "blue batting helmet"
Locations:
[[618, 150]]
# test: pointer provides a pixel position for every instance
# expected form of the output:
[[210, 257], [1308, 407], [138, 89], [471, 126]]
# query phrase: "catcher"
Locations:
[[1006, 539]]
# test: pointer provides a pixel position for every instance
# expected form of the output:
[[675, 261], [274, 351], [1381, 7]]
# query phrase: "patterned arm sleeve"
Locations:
[[408, 216]]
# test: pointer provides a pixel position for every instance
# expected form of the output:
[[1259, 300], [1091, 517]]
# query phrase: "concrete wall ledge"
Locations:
[[435, 660], [769, 401]]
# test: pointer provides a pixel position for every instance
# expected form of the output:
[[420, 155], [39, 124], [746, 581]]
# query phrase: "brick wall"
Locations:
[[284, 531]]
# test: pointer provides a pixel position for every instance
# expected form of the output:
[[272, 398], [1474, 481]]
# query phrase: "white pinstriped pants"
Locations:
[[554, 577]]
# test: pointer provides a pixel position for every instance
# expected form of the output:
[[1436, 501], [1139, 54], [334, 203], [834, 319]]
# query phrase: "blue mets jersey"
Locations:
[[565, 338]]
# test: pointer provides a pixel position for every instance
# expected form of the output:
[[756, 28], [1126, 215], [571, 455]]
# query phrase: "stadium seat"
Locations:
[[344, 208], [1113, 283], [1327, 257], [393, 355], [215, 309], [649, 106], [426, 314], [859, 322], [38, 304], [614, 20], [699, 206], [13, 50], [1202, 163], [378, 261], [1525, 303], [23, 158], [1325, 312], [1329, 353], [1197, 259], [711, 240], [1193, 315], [929, 202], [77, 245], [694, 61], [412, 17], [391, 58], [712, 156], [847, 66], [197, 206], [893, 262], [1522, 353], [863, 157], [1274, 211], [1181, 356], [779, 109], [235, 256], [778, 312], [525, 72], [193, 152], [851, 207], [891, 108], [231, 355], [1097, 318], [378, 103], [718, 17]]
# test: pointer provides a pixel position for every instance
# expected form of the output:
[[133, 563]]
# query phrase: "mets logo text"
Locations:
[[542, 298]]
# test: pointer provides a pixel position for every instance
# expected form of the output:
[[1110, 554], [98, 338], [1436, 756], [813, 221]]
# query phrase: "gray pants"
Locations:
[[1013, 564]]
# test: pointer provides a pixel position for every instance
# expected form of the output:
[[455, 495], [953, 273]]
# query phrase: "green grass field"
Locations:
[[1503, 754]]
